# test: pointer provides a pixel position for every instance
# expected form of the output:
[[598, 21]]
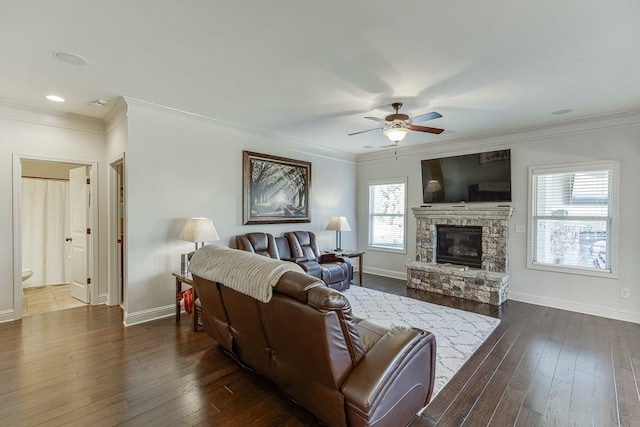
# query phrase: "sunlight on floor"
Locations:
[[44, 299]]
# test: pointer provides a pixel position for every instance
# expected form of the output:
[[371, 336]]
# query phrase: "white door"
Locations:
[[79, 199]]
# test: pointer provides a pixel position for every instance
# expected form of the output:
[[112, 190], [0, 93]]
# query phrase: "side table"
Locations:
[[187, 279], [351, 254]]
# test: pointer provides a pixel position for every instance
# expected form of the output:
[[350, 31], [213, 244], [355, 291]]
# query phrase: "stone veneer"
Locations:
[[488, 284]]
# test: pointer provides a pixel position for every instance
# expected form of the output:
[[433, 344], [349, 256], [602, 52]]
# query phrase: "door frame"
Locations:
[[113, 297], [17, 226]]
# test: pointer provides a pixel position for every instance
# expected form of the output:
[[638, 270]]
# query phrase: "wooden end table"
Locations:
[[187, 279]]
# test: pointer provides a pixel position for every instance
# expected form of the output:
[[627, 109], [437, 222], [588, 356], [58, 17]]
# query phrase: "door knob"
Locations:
[[68, 239]]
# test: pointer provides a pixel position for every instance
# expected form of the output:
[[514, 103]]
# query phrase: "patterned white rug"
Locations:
[[458, 333]]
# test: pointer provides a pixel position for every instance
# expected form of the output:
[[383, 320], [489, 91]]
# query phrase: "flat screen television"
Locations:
[[479, 177]]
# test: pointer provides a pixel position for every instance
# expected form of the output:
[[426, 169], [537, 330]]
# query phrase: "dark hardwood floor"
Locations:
[[80, 366]]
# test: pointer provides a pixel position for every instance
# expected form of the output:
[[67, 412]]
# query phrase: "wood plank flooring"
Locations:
[[80, 366]]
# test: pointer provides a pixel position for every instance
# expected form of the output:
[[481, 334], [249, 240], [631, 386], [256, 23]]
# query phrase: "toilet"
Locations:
[[26, 273]]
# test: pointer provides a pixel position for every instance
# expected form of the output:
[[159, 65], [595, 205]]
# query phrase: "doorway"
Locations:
[[117, 233], [53, 245]]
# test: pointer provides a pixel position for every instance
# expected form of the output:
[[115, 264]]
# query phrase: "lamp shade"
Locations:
[[396, 134], [338, 223], [432, 186], [199, 230]]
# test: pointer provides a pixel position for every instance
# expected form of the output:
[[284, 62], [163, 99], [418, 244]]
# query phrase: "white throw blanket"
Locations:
[[248, 273]]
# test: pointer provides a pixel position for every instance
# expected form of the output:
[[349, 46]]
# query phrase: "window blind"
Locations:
[[387, 215], [572, 217]]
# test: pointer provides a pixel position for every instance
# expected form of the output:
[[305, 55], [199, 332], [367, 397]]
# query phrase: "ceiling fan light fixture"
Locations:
[[396, 134]]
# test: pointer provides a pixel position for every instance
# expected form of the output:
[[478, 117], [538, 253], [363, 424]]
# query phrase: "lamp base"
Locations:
[[184, 263]]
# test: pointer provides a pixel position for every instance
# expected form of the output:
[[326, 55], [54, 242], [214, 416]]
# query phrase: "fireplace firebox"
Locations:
[[461, 245]]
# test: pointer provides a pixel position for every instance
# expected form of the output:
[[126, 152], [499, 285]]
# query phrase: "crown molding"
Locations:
[[175, 117], [116, 115], [42, 117], [497, 140]]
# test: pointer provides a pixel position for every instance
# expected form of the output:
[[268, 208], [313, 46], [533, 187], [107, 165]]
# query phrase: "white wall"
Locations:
[[38, 134], [54, 170], [180, 165], [600, 138]]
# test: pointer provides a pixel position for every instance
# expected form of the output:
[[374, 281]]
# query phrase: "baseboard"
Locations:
[[627, 316], [7, 316], [149, 315], [386, 273], [102, 299]]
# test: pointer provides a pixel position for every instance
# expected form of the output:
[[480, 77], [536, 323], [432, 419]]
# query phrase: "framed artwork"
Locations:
[[275, 189]]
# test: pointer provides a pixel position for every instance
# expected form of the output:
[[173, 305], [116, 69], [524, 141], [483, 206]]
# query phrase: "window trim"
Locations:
[[614, 166], [387, 181]]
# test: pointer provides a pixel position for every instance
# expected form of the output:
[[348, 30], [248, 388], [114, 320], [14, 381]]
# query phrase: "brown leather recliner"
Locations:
[[305, 339], [258, 243], [336, 272]]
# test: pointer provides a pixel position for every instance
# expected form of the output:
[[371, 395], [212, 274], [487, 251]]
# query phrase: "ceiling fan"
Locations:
[[397, 126]]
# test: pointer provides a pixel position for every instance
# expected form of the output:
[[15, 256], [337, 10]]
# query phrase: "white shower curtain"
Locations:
[[45, 225]]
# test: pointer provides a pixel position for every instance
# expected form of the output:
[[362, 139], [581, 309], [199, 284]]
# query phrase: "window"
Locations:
[[572, 218], [387, 214]]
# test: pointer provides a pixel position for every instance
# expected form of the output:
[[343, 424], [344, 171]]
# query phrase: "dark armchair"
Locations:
[[335, 271], [300, 247], [258, 243]]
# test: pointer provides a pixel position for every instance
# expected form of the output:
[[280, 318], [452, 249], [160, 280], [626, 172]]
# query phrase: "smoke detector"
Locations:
[[97, 103]]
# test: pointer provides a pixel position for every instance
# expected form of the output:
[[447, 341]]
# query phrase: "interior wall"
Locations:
[[39, 134], [188, 166], [51, 170], [579, 141]]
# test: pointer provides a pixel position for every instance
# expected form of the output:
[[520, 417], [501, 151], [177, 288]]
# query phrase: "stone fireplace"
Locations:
[[461, 251]]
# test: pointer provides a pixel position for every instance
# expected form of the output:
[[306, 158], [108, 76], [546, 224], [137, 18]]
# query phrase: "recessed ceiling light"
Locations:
[[55, 98], [69, 58], [563, 111]]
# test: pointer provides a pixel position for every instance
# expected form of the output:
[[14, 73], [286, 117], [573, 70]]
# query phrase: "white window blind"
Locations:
[[387, 215], [572, 216]]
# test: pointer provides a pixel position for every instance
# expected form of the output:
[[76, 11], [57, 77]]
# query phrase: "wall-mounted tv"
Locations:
[[479, 177]]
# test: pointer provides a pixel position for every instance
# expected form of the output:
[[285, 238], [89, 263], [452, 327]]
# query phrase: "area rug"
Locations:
[[458, 333]]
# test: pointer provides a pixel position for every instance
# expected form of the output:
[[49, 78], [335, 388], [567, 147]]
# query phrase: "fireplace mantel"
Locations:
[[476, 284], [499, 212]]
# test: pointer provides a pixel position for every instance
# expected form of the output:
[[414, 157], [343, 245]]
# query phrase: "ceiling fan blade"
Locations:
[[426, 129], [363, 131], [375, 119], [426, 116]]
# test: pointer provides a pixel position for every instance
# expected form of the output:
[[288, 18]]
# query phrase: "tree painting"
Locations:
[[277, 191]]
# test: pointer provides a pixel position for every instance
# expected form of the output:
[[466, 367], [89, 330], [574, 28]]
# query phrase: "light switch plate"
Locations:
[[520, 228]]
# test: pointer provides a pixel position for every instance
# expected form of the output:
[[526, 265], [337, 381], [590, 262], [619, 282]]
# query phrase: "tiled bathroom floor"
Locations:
[[44, 299]]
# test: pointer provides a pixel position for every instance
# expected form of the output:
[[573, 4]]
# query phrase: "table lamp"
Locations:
[[339, 224], [198, 230]]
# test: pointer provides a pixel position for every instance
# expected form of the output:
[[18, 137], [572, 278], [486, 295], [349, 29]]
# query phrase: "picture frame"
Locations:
[[276, 190]]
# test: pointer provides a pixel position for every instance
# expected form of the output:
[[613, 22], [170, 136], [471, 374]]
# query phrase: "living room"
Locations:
[[181, 163]]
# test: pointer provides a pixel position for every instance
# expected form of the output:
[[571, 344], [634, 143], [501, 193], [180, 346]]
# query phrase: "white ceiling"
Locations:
[[311, 71]]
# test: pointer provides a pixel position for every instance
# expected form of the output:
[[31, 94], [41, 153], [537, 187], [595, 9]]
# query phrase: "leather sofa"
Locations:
[[345, 371], [300, 247]]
